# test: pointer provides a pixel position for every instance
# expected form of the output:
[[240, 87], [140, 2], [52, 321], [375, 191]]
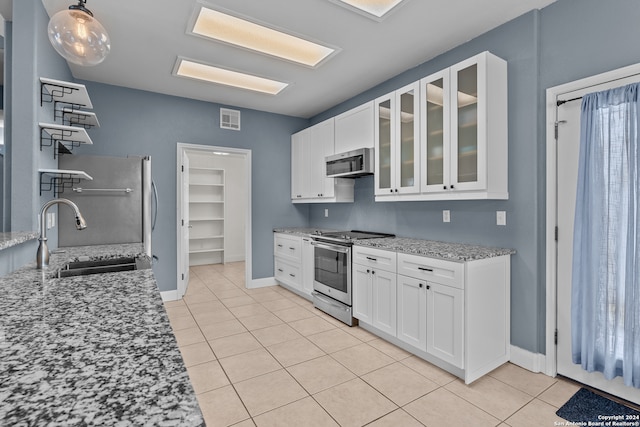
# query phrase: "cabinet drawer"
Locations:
[[448, 273], [287, 273], [288, 247], [376, 258]]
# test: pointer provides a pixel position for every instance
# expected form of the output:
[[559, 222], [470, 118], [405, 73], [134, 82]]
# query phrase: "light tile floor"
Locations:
[[266, 357]]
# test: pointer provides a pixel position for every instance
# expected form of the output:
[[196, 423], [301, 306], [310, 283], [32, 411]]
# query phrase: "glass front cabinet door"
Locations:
[[435, 107], [468, 125], [397, 142], [464, 130]]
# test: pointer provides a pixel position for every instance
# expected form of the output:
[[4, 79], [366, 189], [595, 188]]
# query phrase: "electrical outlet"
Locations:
[[501, 218], [326, 213], [446, 216]]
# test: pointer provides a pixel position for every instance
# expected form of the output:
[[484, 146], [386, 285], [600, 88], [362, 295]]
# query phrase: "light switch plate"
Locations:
[[446, 216], [501, 218], [326, 213]]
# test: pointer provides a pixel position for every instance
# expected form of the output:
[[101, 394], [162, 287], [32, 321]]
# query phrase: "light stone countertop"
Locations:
[[14, 238], [300, 231], [90, 350], [460, 252], [434, 249]]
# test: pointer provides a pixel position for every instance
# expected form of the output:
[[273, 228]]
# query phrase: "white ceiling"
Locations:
[[147, 37]]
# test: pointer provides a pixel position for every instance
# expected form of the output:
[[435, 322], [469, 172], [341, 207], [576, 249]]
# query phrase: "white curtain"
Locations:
[[606, 251]]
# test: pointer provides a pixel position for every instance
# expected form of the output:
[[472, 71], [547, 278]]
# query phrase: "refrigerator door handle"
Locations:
[[155, 211]]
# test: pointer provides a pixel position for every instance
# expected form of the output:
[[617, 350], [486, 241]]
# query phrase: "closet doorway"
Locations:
[[213, 208]]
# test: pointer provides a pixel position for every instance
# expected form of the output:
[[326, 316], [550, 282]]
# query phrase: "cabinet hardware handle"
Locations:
[[373, 272], [279, 245], [451, 185], [372, 259], [368, 271], [280, 270], [444, 187], [292, 275], [430, 270], [396, 190], [292, 248], [428, 287], [420, 285]]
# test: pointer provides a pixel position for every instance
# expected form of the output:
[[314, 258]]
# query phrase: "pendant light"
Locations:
[[78, 37]]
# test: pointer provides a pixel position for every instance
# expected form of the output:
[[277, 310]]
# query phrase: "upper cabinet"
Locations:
[[396, 134], [309, 183], [354, 128], [445, 137], [464, 130]]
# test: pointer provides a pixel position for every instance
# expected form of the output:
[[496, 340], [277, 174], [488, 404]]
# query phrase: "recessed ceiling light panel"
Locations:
[[376, 9], [230, 29], [213, 74]]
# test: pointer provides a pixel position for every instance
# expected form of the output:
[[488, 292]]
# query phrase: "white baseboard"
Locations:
[[233, 258], [534, 362], [262, 283], [169, 295]]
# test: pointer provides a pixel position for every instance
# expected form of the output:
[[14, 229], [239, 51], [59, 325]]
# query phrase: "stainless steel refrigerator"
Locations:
[[117, 203]]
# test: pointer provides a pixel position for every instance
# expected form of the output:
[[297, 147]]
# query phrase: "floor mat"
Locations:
[[593, 409]]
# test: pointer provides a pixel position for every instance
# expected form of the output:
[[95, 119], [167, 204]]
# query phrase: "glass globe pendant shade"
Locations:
[[78, 36]]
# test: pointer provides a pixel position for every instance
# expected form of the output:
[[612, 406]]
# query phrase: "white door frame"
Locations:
[[180, 149], [553, 95]]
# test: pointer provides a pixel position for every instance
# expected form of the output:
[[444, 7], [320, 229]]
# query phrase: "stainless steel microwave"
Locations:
[[351, 164]]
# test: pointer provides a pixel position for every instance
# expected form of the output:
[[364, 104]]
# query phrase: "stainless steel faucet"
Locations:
[[42, 257]]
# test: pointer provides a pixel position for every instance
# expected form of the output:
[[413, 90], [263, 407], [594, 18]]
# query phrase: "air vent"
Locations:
[[229, 119]]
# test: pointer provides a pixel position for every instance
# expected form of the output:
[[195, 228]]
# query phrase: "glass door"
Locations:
[[384, 155], [468, 147], [435, 111], [407, 147]]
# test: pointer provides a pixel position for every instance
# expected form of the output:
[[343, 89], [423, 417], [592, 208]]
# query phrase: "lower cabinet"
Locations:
[[412, 312], [455, 315], [445, 316], [374, 288], [293, 263]]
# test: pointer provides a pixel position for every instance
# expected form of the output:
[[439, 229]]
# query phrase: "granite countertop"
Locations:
[[433, 249], [300, 231], [13, 238], [90, 350]]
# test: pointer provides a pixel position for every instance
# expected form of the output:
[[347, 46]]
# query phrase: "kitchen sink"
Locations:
[[84, 268]]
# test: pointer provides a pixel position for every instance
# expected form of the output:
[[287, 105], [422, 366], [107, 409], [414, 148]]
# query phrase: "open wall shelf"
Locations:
[[86, 119], [57, 180], [73, 94], [62, 138]]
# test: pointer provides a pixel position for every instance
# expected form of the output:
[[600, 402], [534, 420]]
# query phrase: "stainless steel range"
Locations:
[[332, 271]]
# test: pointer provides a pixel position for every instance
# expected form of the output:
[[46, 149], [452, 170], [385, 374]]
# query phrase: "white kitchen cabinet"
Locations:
[[354, 129], [396, 136], [412, 311], [454, 314], [293, 263], [206, 215], [374, 288], [307, 266], [445, 317], [309, 183], [463, 135], [362, 293]]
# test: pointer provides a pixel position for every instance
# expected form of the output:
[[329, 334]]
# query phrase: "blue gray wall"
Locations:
[[30, 57], [143, 123], [568, 40]]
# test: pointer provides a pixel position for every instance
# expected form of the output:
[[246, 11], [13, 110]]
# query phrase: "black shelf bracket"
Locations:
[[58, 183]]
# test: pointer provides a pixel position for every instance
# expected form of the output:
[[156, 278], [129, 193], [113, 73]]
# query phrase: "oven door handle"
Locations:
[[336, 248]]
